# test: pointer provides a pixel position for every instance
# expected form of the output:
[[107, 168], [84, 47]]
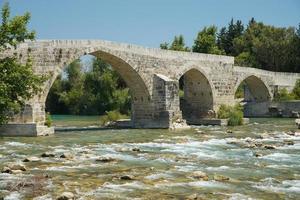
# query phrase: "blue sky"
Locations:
[[147, 22]]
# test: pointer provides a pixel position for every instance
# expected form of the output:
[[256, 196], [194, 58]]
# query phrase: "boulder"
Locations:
[[16, 171], [297, 121], [193, 197], [47, 154], [268, 146], [16, 166], [136, 149], [289, 142], [295, 114], [200, 175], [258, 155], [221, 178], [66, 196], [106, 159], [127, 177], [31, 159], [229, 131], [66, 156], [6, 170]]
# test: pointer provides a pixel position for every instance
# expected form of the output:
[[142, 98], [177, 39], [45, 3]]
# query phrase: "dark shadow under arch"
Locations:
[[253, 89], [197, 100]]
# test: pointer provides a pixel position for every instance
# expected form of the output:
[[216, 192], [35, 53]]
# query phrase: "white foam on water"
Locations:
[[208, 184], [268, 184], [238, 196], [13, 196], [17, 144], [296, 146], [186, 168], [220, 168], [201, 184], [282, 157], [67, 168], [44, 197], [130, 186], [158, 176]]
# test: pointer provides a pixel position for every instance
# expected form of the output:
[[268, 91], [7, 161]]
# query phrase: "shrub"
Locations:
[[284, 95], [296, 90], [111, 116], [181, 93], [234, 114], [48, 120]]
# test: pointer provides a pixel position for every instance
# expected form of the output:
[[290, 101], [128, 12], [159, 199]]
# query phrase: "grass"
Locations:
[[234, 114], [112, 116]]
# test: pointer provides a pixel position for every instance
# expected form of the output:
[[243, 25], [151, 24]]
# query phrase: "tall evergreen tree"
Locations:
[[206, 41]]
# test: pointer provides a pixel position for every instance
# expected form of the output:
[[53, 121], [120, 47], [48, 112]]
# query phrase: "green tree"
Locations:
[[226, 36], [178, 44], [206, 41], [267, 47], [94, 92], [18, 82], [296, 90]]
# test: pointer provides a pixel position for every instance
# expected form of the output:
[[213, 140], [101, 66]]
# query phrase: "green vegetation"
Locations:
[[93, 92], [112, 116], [177, 44], [284, 95], [255, 45], [18, 82], [206, 41], [234, 114], [48, 120], [240, 91]]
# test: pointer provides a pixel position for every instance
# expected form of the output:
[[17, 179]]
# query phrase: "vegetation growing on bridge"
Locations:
[[255, 45], [18, 83]]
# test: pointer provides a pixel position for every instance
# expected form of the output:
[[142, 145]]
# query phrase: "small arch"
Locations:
[[196, 101], [252, 89]]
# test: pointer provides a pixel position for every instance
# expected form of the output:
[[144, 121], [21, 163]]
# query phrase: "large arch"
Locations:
[[136, 84], [197, 101], [255, 90]]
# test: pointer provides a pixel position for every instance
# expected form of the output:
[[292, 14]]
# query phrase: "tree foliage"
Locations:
[[18, 82], [285, 95], [255, 45], [90, 93], [178, 44], [206, 41]]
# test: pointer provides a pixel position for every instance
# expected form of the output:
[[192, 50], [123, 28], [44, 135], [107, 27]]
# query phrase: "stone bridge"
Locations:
[[152, 76]]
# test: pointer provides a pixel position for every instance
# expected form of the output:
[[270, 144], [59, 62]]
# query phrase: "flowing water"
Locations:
[[160, 163]]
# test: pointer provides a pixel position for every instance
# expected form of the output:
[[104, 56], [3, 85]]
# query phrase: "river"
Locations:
[[240, 163]]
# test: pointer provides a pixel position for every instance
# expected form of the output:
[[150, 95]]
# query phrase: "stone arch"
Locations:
[[198, 99], [256, 90], [139, 91]]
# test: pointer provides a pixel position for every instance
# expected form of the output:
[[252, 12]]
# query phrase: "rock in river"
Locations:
[[127, 177], [48, 154], [221, 178], [31, 159], [106, 159], [13, 168], [268, 146], [200, 175], [67, 156], [66, 196]]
